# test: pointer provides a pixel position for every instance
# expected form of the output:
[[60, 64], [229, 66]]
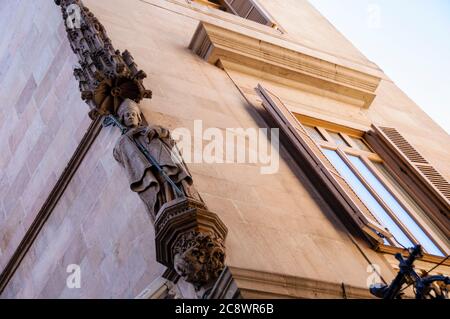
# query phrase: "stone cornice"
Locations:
[[263, 285], [229, 49]]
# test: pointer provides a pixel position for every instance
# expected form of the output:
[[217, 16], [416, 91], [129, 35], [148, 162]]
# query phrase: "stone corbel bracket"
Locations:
[[231, 50], [190, 240]]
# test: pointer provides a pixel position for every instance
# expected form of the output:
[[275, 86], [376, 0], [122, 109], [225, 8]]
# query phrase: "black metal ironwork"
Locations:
[[112, 120], [423, 285]]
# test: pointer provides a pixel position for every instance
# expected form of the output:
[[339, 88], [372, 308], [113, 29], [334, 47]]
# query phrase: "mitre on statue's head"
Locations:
[[129, 108]]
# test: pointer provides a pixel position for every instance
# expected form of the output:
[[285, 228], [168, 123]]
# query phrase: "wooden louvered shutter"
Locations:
[[247, 9], [335, 190], [431, 178], [413, 171]]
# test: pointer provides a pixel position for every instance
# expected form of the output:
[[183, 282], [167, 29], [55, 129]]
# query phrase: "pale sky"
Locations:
[[408, 39]]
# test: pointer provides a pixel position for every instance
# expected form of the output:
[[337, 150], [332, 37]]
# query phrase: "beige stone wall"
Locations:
[[277, 223]]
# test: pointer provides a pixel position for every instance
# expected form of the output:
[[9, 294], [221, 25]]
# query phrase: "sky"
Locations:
[[408, 39]]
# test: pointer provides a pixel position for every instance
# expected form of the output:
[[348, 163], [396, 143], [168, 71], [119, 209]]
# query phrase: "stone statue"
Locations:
[[143, 176]]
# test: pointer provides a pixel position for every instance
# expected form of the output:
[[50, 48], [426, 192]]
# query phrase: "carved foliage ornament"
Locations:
[[106, 76], [190, 240], [199, 257]]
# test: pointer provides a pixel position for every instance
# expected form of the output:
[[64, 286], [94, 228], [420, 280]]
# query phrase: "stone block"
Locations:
[[26, 95]]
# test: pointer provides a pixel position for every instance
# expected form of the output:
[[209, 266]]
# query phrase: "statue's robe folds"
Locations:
[[153, 189]]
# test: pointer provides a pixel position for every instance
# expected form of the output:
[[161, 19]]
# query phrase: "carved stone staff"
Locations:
[[112, 120], [189, 238]]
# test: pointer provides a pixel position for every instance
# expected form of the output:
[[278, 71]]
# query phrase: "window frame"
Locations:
[[228, 9], [334, 189], [407, 176], [207, 3], [368, 158]]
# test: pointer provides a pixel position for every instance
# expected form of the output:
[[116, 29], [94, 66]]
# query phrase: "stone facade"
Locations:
[[283, 240], [38, 128]]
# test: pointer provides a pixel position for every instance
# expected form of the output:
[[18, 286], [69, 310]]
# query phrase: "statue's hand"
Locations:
[[148, 133], [164, 133], [151, 132]]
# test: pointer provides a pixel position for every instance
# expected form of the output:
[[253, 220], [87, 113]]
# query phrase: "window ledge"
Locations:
[[426, 257]]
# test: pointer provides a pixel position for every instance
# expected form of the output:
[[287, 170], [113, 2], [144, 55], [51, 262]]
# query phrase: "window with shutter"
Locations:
[[349, 172], [429, 188], [247, 9], [333, 187], [409, 155]]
